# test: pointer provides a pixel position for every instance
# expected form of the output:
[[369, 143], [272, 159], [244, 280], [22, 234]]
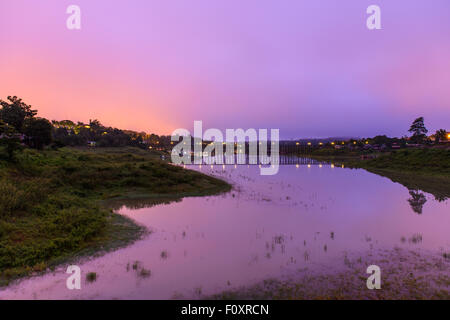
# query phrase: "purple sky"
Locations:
[[308, 67]]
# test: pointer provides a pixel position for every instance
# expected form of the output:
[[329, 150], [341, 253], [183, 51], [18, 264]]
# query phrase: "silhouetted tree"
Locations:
[[15, 112], [440, 135], [418, 130], [38, 132]]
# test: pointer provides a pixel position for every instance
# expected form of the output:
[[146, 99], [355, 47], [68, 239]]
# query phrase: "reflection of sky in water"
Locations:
[[267, 226]]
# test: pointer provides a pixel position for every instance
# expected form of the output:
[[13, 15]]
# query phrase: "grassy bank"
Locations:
[[418, 169], [54, 204]]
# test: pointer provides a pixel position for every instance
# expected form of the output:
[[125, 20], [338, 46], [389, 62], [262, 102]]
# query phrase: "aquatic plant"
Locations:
[[91, 277]]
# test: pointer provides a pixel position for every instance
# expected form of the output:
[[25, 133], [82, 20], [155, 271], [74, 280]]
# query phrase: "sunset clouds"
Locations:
[[310, 68]]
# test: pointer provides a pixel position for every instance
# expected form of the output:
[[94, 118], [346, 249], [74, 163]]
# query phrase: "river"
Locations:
[[306, 216]]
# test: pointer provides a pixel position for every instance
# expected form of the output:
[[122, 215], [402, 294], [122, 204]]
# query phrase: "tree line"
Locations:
[[20, 127]]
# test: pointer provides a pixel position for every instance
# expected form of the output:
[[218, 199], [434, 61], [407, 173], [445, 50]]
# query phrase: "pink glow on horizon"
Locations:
[[309, 69]]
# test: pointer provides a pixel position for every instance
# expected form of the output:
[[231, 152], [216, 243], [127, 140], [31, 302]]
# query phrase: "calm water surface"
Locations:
[[303, 217]]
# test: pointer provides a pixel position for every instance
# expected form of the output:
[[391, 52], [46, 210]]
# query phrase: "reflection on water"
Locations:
[[306, 216], [138, 203], [417, 201]]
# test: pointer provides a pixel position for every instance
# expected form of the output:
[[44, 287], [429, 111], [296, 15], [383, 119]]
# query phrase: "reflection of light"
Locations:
[[223, 167], [296, 165], [320, 166], [309, 166], [235, 166], [212, 167], [332, 165], [342, 166]]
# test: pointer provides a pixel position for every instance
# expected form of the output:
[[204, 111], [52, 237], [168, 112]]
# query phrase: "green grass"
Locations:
[[417, 169], [54, 205]]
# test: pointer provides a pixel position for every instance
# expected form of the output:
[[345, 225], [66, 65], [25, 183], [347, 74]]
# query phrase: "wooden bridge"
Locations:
[[256, 160]]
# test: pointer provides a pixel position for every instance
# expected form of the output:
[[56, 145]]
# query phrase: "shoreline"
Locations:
[[92, 214], [411, 168]]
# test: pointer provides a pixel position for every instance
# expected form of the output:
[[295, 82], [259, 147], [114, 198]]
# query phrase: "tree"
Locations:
[[95, 124], [440, 135], [38, 132], [418, 130], [15, 112], [10, 139]]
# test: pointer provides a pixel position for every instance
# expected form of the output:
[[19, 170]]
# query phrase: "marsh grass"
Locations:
[[144, 273], [91, 277], [164, 255], [421, 276], [54, 204]]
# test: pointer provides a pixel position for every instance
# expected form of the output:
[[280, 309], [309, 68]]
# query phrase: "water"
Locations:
[[268, 226]]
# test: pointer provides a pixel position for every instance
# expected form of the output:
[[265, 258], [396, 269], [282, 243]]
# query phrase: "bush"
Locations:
[[9, 200]]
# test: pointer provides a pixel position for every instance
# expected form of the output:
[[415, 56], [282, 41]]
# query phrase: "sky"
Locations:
[[310, 68]]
